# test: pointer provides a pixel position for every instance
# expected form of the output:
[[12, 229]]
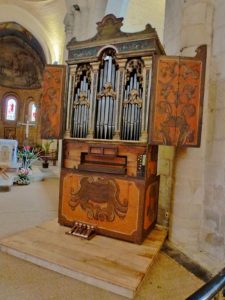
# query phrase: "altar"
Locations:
[[8, 162], [8, 153]]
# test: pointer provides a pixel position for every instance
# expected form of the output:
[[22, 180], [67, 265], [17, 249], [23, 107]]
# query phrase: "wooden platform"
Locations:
[[110, 264]]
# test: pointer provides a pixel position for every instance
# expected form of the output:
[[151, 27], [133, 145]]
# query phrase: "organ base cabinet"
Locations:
[[102, 185], [123, 97]]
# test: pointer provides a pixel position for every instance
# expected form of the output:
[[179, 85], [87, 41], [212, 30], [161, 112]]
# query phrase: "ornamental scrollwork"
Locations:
[[107, 91], [133, 98]]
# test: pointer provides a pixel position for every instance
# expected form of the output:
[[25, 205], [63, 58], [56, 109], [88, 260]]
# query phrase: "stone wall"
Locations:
[[81, 22], [24, 96], [213, 221], [198, 211], [141, 12]]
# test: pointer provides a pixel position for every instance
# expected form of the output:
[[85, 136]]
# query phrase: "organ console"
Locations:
[[113, 123]]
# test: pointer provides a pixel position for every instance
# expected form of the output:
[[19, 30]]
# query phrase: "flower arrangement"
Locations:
[[23, 173], [26, 157], [23, 177]]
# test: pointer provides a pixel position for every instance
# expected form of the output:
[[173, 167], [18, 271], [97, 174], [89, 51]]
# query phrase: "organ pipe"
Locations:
[[81, 102], [105, 124], [132, 104]]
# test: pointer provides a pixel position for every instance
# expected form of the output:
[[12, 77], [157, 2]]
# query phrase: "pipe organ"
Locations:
[[109, 181]]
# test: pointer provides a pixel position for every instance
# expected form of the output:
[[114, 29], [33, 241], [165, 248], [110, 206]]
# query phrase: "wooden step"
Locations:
[[110, 264]]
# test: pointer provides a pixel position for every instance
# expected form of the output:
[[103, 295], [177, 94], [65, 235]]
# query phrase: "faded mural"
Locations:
[[22, 62], [20, 65]]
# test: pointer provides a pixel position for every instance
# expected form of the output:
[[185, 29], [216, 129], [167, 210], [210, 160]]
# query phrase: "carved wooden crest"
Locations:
[[110, 29]]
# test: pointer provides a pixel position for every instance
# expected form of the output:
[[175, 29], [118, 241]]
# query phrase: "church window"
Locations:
[[32, 111], [11, 108]]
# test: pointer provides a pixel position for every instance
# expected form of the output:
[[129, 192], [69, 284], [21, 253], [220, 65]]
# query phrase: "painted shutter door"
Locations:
[[177, 100], [52, 102]]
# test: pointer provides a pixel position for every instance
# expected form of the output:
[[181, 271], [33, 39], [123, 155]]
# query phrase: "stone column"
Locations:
[[119, 97], [69, 22]]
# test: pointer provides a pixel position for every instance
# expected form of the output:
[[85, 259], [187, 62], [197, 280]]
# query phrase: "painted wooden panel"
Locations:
[[51, 106], [109, 203], [178, 90], [151, 203]]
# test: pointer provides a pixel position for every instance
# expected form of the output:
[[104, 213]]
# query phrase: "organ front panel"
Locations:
[[109, 176]]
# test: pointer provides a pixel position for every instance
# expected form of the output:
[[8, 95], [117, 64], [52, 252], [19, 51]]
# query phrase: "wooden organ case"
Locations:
[[109, 165]]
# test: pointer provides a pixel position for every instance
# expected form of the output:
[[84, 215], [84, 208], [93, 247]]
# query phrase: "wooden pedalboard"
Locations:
[[118, 198]]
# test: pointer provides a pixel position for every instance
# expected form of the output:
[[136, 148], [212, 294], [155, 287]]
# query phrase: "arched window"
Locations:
[[32, 112], [11, 108]]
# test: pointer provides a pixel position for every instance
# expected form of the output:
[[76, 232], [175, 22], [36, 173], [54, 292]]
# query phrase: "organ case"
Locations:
[[109, 168]]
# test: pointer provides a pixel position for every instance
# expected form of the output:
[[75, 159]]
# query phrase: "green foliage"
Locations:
[[27, 157], [46, 146]]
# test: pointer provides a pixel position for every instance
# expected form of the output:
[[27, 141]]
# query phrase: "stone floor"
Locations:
[[27, 206]]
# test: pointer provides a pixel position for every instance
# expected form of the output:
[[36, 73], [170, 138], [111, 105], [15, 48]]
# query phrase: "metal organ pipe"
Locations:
[[78, 117], [126, 113], [105, 113], [105, 71], [101, 78], [101, 102], [131, 112], [81, 108], [74, 117], [109, 75], [113, 104], [131, 122], [113, 76]]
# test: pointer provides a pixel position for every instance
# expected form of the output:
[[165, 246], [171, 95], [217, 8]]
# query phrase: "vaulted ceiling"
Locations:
[[44, 19]]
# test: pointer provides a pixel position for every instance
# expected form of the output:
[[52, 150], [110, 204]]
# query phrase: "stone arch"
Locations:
[[22, 58], [21, 16]]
